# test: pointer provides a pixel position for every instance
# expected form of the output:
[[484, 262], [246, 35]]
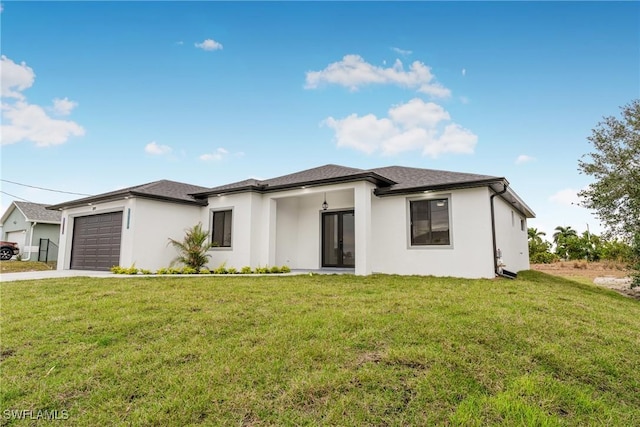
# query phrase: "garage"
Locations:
[[17, 237], [96, 241]]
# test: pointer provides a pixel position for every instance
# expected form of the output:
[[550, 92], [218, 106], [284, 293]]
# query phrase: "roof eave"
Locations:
[[374, 178], [382, 192], [120, 196], [8, 212], [243, 189]]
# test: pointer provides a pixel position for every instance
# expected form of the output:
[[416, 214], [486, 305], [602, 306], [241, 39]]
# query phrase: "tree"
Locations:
[[561, 238], [535, 235], [192, 251], [538, 248], [615, 166]]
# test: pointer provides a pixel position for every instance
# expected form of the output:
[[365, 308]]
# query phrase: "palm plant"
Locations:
[[535, 235], [192, 250], [563, 233], [561, 237]]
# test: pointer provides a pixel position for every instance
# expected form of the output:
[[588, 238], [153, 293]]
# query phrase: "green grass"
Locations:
[[15, 266], [321, 350]]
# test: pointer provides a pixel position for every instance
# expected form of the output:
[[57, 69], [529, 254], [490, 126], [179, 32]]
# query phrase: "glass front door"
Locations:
[[338, 239]]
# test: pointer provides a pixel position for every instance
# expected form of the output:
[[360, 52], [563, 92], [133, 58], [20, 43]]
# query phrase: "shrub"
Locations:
[[246, 270], [130, 270], [543, 258], [262, 270], [205, 271], [162, 270], [116, 269], [173, 270], [275, 269], [285, 269], [232, 270], [582, 265], [145, 271], [189, 270], [220, 270]]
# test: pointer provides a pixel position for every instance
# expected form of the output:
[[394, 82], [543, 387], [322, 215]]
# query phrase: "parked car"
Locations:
[[8, 250]]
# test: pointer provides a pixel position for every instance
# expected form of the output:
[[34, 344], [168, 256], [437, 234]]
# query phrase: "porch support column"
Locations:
[[362, 211], [273, 216], [268, 220]]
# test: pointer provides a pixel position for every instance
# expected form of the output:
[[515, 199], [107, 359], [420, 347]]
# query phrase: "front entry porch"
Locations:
[[305, 236]]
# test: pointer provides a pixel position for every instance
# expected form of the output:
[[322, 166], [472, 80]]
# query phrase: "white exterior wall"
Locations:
[[154, 223], [470, 254], [146, 228], [511, 238], [245, 241]]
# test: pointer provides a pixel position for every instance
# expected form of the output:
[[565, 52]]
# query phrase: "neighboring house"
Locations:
[[34, 228], [395, 220]]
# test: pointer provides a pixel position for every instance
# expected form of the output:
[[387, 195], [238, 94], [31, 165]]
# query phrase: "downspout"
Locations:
[[33, 225], [493, 226]]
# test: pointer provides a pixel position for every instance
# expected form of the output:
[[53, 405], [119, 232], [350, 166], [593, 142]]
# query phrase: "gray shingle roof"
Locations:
[[161, 190], [315, 176], [389, 179], [37, 212], [416, 178]]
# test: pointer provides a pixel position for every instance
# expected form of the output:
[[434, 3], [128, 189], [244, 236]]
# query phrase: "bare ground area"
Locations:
[[606, 274]]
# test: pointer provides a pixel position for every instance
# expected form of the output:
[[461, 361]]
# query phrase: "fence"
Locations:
[[48, 251]]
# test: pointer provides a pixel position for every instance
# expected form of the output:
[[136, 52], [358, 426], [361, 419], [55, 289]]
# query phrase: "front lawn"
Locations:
[[331, 350], [15, 266]]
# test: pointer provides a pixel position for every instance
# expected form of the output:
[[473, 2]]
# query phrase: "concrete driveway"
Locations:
[[52, 274]]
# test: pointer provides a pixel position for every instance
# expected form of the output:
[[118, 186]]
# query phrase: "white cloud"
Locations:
[[22, 121], [413, 126], [523, 158], [209, 44], [29, 122], [566, 197], [64, 106], [179, 43], [15, 78], [352, 72], [219, 154], [157, 149], [464, 72], [418, 113], [401, 51]]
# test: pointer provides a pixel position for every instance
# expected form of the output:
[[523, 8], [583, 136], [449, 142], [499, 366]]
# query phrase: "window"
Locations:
[[430, 222], [523, 225], [221, 229]]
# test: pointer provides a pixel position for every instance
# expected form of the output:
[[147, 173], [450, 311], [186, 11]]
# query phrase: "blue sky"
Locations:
[[103, 95]]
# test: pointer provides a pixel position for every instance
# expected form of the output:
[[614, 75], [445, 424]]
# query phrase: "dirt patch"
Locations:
[[609, 275]]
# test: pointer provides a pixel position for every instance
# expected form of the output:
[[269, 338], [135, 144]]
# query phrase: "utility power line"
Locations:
[[45, 189], [11, 195]]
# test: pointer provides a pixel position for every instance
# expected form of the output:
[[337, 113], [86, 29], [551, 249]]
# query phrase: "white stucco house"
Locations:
[[395, 220]]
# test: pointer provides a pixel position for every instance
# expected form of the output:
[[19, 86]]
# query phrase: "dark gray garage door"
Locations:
[[96, 241]]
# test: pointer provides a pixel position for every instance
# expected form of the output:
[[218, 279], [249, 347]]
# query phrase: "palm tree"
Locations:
[[560, 238], [562, 233], [535, 235], [193, 248]]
